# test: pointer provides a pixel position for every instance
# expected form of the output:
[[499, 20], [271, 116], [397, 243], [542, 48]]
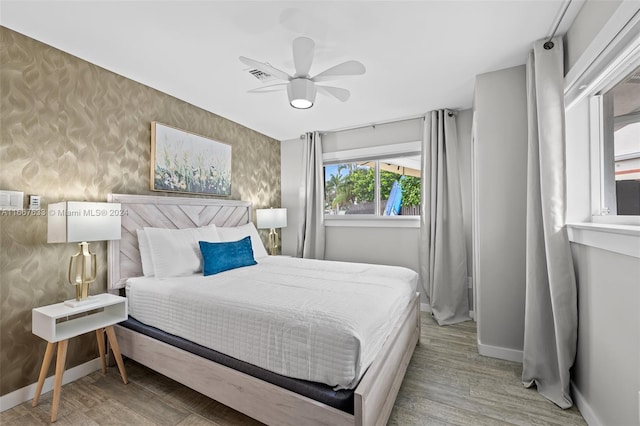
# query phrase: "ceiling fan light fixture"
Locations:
[[301, 87], [302, 93]]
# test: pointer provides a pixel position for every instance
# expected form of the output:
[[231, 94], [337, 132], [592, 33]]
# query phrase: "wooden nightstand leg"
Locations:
[[111, 335], [61, 359], [103, 360], [46, 362]]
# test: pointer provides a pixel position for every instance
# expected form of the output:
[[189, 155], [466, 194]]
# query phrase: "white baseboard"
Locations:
[[26, 393], [500, 353], [584, 407]]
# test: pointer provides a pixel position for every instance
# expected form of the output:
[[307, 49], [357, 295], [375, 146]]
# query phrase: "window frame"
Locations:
[[612, 76], [608, 59], [372, 154]]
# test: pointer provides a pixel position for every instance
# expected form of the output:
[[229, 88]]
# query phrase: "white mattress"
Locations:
[[314, 320]]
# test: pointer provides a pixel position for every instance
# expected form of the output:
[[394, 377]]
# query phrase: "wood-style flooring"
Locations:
[[447, 383]]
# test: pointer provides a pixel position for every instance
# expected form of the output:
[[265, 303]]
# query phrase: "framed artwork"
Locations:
[[190, 163]]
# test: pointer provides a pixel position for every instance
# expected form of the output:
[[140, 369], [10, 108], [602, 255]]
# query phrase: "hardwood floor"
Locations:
[[447, 383]]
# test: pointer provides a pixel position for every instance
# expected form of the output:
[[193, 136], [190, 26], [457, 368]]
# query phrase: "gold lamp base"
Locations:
[[273, 242], [85, 273], [90, 300]]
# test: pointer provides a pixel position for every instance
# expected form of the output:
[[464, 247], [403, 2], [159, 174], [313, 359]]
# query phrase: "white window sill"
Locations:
[[371, 221], [617, 238]]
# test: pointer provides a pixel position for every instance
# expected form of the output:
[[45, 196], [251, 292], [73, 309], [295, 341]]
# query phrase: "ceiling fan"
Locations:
[[301, 88]]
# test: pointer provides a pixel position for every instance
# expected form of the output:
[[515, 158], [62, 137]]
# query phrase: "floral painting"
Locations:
[[185, 162]]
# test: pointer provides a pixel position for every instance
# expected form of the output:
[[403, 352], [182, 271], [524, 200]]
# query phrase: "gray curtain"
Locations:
[[310, 242], [551, 321], [442, 249]]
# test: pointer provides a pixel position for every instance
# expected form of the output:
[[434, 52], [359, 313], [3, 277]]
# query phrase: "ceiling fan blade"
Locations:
[[270, 88], [303, 55], [266, 68], [341, 70], [337, 92]]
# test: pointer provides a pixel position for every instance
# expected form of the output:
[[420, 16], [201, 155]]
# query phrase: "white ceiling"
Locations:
[[419, 55]]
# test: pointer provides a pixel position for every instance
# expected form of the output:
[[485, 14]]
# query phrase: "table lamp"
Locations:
[[81, 222], [272, 219]]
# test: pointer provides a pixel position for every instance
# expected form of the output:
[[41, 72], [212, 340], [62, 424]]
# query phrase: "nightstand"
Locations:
[[58, 323]]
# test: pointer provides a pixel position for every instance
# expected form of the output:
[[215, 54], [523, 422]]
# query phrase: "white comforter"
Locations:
[[314, 320]]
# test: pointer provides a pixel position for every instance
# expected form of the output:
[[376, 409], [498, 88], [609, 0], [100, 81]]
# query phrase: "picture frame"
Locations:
[[185, 162]]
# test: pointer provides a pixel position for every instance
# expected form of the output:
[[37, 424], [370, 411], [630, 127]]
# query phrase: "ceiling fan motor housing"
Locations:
[[302, 93]]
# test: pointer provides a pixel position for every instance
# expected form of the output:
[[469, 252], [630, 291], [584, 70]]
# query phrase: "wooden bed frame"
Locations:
[[375, 395]]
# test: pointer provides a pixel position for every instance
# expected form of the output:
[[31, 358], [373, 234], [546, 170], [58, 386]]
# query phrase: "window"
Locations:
[[621, 139], [378, 187], [610, 67], [616, 113]]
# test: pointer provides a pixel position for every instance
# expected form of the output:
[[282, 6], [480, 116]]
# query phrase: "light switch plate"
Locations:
[[11, 200]]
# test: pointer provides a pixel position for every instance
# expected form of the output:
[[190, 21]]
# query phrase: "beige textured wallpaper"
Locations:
[[70, 130]]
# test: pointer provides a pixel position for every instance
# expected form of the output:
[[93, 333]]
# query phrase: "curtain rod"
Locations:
[[364, 126], [373, 125], [549, 44]]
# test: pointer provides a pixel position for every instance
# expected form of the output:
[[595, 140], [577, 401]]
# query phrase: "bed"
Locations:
[[256, 395]]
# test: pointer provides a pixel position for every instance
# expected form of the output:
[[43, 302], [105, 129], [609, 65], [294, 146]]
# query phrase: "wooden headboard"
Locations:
[[139, 211]]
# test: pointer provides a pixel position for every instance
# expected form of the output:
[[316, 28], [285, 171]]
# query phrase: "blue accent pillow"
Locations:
[[219, 257]]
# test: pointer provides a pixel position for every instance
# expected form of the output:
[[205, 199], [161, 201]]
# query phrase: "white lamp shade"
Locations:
[[271, 218], [76, 221]]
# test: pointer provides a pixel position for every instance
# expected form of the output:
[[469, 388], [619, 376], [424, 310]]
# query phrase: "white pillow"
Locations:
[[236, 233], [145, 253], [176, 252]]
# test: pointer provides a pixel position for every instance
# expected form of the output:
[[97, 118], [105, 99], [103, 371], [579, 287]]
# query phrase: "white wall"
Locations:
[[500, 168], [386, 246], [607, 368], [291, 172]]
